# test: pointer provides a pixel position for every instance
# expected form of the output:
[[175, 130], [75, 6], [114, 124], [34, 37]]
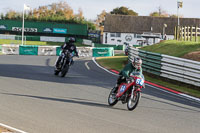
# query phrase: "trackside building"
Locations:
[[119, 29]]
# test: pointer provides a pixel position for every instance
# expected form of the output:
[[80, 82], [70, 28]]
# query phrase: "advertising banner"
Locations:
[[25, 29], [101, 52], [28, 50], [52, 39], [3, 27], [85, 51], [60, 30], [47, 50], [10, 49]]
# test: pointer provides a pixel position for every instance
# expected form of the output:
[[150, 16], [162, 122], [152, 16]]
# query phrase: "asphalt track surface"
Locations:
[[33, 100]]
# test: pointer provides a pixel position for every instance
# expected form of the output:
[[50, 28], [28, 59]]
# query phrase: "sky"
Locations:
[[92, 8]]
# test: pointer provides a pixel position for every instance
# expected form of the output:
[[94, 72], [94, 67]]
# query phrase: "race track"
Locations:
[[32, 99]]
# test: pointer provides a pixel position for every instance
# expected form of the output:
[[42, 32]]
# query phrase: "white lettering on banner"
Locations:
[[47, 50], [84, 51], [25, 29], [10, 49], [102, 52]]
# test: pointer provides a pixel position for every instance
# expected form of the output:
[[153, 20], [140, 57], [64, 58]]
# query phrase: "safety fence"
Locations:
[[179, 69], [53, 50]]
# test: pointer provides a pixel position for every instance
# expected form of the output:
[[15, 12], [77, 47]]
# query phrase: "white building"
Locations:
[[135, 30]]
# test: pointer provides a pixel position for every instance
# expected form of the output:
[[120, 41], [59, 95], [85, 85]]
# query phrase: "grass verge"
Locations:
[[5, 41], [118, 62], [173, 47]]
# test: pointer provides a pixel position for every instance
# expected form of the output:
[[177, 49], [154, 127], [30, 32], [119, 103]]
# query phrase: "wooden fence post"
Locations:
[[175, 33], [188, 32], [184, 33], [191, 32], [181, 33], [196, 34], [178, 32]]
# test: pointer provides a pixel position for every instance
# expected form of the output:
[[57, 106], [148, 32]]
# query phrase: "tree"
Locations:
[[159, 13], [99, 23], [55, 12], [123, 11]]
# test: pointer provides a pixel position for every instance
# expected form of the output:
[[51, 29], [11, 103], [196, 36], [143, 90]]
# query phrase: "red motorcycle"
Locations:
[[127, 93]]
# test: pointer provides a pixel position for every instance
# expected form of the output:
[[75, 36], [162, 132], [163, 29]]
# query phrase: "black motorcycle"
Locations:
[[64, 64]]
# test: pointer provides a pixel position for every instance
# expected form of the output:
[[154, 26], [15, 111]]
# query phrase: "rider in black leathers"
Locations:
[[67, 46]]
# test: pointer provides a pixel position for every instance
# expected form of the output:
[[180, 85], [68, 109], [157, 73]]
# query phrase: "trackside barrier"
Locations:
[[85, 51], [10, 49], [99, 52], [28, 50], [82, 51], [54, 50], [151, 61], [47, 50], [41, 50], [179, 69]]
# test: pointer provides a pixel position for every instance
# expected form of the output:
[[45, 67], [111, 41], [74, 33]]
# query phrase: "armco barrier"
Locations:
[[10, 49], [99, 52], [28, 50], [179, 69], [151, 61]]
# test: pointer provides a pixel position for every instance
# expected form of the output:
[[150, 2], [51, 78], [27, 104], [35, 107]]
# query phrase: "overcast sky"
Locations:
[[91, 8]]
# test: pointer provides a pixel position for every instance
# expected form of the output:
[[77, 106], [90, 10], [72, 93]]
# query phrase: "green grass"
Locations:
[[117, 63], [173, 47], [5, 41]]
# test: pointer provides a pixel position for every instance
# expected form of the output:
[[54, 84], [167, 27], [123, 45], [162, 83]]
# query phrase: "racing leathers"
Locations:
[[67, 46]]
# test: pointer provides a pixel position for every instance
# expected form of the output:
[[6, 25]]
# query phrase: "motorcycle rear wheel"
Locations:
[[133, 102], [64, 70], [112, 99]]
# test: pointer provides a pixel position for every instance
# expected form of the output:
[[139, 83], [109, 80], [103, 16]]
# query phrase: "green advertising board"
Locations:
[[58, 49], [28, 50], [101, 52]]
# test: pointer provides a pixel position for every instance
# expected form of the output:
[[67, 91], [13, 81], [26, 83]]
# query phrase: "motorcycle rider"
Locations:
[[67, 46], [133, 68]]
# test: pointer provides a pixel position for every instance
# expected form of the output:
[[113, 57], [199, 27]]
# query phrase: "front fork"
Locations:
[[132, 92]]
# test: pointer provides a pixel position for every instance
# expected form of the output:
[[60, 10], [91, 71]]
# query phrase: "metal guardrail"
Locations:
[[179, 69], [151, 61]]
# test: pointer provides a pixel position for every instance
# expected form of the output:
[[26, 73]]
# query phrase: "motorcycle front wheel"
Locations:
[[133, 102], [56, 72], [112, 99], [64, 70]]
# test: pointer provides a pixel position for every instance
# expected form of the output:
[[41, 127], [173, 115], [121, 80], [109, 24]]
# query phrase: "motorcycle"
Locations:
[[126, 49], [129, 93], [64, 64]]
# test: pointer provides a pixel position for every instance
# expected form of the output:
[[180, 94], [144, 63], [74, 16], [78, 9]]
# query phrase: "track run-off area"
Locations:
[[34, 100]]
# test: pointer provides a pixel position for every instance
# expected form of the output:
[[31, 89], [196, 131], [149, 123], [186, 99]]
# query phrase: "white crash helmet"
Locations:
[[137, 62]]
